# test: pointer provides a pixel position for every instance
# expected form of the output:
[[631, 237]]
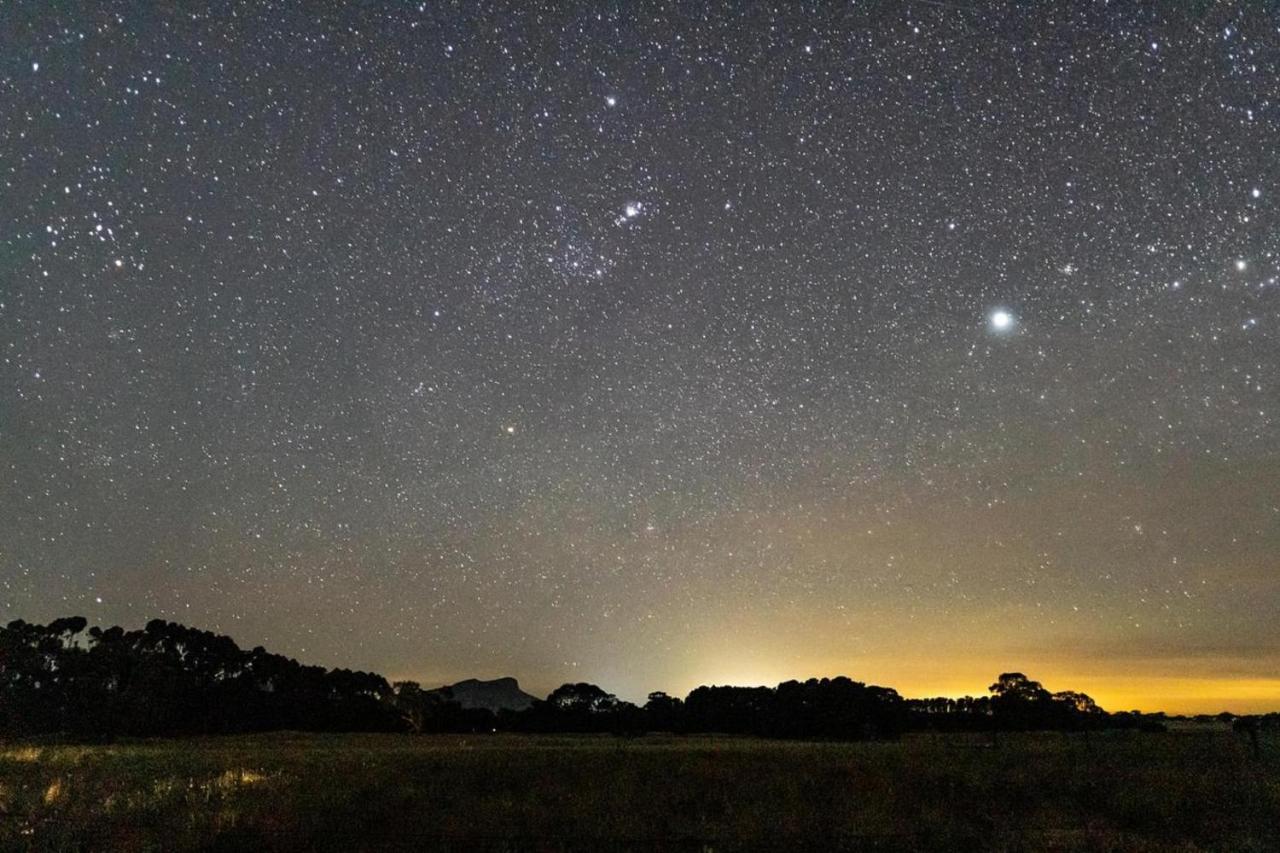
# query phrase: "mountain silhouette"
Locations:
[[495, 695]]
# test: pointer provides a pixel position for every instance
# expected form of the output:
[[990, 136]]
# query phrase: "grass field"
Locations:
[[1181, 791]]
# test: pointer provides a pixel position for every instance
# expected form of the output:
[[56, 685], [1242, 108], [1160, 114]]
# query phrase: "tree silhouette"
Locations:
[[1015, 686], [1080, 702], [582, 698], [170, 679], [665, 713], [581, 707]]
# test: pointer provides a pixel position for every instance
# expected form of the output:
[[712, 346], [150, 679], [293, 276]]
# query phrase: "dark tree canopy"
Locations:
[[170, 679], [68, 679]]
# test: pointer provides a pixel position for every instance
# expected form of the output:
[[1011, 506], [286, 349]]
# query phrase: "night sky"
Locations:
[[653, 345]]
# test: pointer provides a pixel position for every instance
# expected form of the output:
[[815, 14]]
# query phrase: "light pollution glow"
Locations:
[[556, 341]]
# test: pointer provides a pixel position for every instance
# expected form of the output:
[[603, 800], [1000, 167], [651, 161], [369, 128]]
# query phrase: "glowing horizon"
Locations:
[[654, 349]]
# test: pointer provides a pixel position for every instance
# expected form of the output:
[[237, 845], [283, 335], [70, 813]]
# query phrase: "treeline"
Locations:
[[168, 679]]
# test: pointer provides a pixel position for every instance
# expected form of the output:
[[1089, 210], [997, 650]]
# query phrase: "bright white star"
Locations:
[[1001, 320]]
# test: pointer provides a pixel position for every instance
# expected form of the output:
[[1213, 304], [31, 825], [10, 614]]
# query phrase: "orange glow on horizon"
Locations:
[[1171, 694], [1116, 685]]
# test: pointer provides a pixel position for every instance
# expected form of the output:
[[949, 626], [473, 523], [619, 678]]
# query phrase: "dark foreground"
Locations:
[[1180, 791]]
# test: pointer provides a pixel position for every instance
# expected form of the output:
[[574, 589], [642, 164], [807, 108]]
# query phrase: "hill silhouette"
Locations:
[[499, 694]]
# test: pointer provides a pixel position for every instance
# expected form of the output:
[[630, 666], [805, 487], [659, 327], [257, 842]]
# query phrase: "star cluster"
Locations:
[[648, 343]]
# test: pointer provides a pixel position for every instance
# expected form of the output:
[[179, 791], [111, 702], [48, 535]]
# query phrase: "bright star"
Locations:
[[1241, 265], [611, 101], [1001, 320]]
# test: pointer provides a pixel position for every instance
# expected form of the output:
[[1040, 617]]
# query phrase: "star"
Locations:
[[704, 306]]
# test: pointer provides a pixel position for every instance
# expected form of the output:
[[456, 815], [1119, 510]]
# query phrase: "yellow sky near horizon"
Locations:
[[1121, 681], [1116, 685], [1113, 691]]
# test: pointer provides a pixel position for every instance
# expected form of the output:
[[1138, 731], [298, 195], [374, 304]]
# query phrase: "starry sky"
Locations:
[[653, 344]]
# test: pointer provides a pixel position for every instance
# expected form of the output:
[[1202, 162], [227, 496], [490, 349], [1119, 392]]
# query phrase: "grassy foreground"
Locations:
[[1115, 791]]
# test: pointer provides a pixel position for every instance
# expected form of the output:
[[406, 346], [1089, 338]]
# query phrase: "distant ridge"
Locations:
[[496, 695]]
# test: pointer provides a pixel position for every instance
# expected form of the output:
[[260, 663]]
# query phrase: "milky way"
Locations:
[[652, 345]]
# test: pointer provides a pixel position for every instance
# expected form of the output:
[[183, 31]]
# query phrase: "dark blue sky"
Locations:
[[651, 345]]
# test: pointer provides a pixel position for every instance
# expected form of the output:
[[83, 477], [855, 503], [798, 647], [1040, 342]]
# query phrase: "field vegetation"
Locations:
[[1205, 789]]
